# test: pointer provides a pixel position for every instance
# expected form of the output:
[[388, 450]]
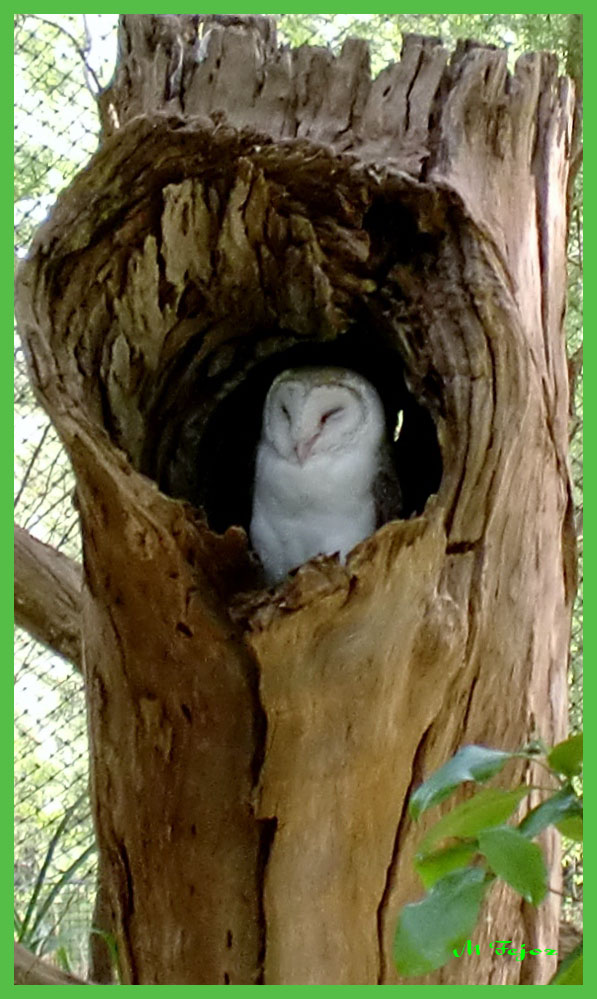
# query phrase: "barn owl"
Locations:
[[324, 478]]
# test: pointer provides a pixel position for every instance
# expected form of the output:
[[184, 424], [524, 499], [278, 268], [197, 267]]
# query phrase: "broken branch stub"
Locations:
[[251, 207]]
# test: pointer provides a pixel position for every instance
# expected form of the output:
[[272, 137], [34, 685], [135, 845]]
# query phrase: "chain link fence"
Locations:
[[61, 62]]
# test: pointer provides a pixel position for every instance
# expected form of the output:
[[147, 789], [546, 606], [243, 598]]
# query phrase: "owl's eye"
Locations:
[[286, 413], [331, 413]]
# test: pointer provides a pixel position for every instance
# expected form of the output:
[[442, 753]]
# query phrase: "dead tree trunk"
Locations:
[[250, 207]]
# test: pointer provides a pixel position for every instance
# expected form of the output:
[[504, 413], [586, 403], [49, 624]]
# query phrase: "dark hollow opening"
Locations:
[[218, 475]]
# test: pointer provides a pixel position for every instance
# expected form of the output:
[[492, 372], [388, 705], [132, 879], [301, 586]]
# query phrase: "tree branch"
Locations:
[[47, 596], [31, 970]]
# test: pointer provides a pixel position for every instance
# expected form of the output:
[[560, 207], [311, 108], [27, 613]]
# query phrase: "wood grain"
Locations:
[[253, 751]]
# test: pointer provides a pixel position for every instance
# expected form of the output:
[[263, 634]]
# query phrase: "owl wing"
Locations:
[[386, 490]]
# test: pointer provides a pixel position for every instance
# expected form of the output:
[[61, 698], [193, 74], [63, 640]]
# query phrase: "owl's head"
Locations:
[[319, 411]]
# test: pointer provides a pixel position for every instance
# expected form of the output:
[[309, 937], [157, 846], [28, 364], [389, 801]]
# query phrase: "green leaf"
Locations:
[[570, 970], [572, 828], [64, 879], [429, 930], [562, 805], [512, 857], [61, 956], [566, 757], [34, 913], [476, 763], [41, 877], [434, 866], [489, 807]]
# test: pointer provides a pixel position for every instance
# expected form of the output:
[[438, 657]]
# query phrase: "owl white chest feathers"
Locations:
[[323, 449]]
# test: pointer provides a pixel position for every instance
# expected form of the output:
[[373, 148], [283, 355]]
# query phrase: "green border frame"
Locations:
[[345, 8]]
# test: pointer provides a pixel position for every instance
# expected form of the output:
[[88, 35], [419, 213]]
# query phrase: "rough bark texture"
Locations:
[[101, 960], [253, 753], [48, 596]]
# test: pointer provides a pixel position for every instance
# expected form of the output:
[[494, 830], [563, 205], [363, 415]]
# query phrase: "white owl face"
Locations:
[[322, 450], [318, 411]]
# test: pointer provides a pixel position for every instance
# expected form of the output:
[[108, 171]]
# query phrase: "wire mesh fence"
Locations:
[[61, 62]]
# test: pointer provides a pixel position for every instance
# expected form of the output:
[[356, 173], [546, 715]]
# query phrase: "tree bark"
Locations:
[[29, 969], [48, 596], [101, 960], [253, 752]]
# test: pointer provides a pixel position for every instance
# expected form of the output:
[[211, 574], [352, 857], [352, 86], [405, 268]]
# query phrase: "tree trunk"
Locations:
[[253, 751]]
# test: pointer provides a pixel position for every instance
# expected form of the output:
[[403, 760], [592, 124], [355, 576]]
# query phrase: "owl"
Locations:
[[324, 478]]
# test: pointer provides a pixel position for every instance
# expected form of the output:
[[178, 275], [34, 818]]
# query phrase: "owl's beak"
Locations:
[[303, 448]]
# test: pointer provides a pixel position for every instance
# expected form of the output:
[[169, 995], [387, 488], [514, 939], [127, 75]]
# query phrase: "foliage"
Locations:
[[517, 33], [570, 971], [472, 846], [443, 920], [56, 114], [34, 927]]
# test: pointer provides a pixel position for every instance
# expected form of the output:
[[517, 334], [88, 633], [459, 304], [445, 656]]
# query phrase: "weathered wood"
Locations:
[[47, 596], [168, 681], [253, 752], [29, 969]]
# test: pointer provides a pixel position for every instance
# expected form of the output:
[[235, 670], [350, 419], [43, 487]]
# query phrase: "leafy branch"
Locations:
[[473, 845]]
